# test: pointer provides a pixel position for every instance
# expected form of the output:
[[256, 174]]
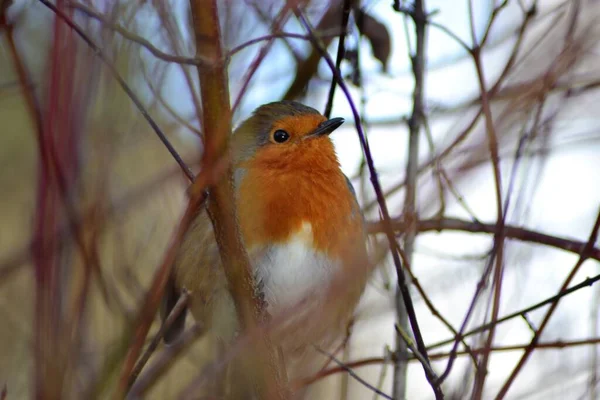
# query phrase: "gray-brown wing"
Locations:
[[197, 268]]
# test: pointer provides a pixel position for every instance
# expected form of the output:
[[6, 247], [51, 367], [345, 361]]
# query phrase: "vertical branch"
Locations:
[[497, 256], [56, 142], [216, 120], [415, 123]]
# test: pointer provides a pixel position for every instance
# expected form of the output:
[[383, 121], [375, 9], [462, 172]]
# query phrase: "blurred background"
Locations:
[[485, 112]]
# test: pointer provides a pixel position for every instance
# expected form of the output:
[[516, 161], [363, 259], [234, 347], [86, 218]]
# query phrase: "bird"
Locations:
[[301, 226]]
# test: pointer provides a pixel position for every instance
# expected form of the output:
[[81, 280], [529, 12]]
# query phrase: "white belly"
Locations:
[[288, 273]]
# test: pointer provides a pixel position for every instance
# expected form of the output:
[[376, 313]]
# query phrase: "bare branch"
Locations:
[[216, 118], [510, 231], [347, 369]]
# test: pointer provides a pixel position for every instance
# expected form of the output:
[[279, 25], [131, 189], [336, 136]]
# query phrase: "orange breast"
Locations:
[[278, 194]]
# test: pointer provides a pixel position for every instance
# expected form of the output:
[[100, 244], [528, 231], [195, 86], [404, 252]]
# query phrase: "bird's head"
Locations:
[[285, 135]]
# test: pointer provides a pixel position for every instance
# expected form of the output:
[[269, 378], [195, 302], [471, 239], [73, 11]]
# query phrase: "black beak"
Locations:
[[326, 127]]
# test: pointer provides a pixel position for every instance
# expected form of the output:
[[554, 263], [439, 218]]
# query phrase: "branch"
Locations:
[[290, 35], [558, 344], [344, 367], [415, 122], [497, 256], [511, 232], [416, 354], [222, 210], [280, 20]]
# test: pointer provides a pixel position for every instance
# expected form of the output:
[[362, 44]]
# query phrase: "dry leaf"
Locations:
[[377, 34]]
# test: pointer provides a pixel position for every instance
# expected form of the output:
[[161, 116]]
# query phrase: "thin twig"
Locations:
[[430, 305], [281, 18], [354, 375], [309, 66], [274, 35], [366, 362], [498, 248], [415, 123], [424, 361], [172, 30]]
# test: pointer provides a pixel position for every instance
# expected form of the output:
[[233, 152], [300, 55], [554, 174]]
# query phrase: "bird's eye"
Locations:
[[281, 136]]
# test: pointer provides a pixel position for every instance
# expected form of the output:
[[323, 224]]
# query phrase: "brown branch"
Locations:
[[290, 35], [217, 129], [171, 27], [559, 344], [415, 124], [510, 231], [497, 256], [173, 58], [344, 367]]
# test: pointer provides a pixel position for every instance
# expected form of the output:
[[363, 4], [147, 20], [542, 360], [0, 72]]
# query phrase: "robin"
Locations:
[[301, 226]]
